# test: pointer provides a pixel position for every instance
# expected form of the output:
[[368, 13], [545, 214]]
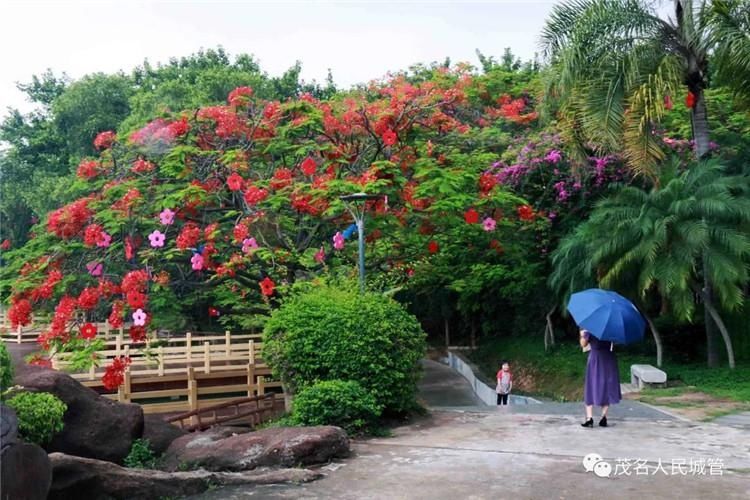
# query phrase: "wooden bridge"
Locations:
[[175, 374]]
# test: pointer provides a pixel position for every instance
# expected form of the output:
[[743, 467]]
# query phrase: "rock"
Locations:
[[26, 471], [283, 446], [159, 433], [76, 477], [94, 426]]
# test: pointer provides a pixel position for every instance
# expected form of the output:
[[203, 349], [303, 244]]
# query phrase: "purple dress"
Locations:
[[602, 382]]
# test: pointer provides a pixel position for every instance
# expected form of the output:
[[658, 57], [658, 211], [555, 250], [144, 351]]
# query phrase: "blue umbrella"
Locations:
[[608, 316]]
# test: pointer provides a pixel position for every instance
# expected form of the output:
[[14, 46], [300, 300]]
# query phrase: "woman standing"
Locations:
[[602, 381]]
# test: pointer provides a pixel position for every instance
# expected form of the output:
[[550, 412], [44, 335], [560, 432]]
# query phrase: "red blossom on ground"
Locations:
[[104, 140], [308, 166], [234, 181], [39, 360], [88, 331], [114, 375], [471, 216], [267, 286]]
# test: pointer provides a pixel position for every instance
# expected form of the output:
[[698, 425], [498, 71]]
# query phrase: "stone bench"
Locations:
[[640, 375]]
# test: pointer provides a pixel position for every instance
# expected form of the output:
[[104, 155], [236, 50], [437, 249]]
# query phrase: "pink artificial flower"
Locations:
[[338, 241], [320, 256], [166, 216], [197, 261], [139, 317], [249, 244], [103, 240], [489, 224], [95, 268], [157, 239]]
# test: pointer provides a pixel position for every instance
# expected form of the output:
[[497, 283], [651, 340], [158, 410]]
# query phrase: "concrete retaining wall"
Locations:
[[483, 388]]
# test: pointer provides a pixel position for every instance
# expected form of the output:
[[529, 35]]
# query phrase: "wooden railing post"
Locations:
[[206, 357], [128, 387], [106, 329], [251, 352], [189, 346], [228, 343], [118, 344], [19, 334], [161, 360], [261, 386], [250, 380], [192, 393]]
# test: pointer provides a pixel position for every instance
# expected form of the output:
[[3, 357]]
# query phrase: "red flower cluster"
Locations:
[[45, 290], [125, 203], [487, 181], [240, 96], [160, 130], [234, 182], [240, 232], [433, 247], [39, 360], [254, 195], [525, 213], [69, 220], [134, 286], [141, 166], [471, 216], [305, 203], [188, 237], [389, 137], [267, 286], [88, 331], [282, 178], [114, 375], [513, 110], [20, 313], [63, 314], [108, 289], [105, 140], [308, 166], [92, 234], [115, 317], [88, 169], [137, 333], [89, 298], [228, 124]]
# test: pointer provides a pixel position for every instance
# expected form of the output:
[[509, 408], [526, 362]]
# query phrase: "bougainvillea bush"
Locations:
[[210, 214]]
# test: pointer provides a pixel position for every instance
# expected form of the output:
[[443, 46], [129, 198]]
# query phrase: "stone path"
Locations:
[[736, 420]]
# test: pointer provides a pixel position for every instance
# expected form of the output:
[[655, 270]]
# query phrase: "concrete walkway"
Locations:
[[467, 450]]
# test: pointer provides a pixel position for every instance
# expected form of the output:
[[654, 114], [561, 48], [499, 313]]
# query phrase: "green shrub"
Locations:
[[331, 334], [336, 402], [141, 455], [6, 368], [40, 415]]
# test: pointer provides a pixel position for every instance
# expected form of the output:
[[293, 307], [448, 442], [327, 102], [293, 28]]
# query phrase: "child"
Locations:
[[504, 383]]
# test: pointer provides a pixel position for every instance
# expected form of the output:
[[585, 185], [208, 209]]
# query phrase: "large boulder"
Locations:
[[160, 433], [283, 446], [94, 426], [76, 477], [25, 470]]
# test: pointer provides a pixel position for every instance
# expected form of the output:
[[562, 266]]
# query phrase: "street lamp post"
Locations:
[[356, 204]]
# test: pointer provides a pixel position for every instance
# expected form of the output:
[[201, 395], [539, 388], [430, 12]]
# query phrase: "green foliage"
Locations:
[[336, 402], [6, 368], [329, 333], [40, 415], [141, 455]]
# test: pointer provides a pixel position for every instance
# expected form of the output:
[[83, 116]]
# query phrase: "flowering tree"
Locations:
[[211, 213]]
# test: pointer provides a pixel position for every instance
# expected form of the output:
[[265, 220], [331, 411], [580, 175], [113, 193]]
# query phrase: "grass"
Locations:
[[558, 374]]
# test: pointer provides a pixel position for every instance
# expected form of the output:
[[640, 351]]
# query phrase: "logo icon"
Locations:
[[590, 460], [593, 462]]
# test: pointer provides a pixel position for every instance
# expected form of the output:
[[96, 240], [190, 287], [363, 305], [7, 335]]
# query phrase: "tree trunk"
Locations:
[[657, 340], [712, 342], [708, 306], [473, 339], [700, 125], [549, 332], [447, 327]]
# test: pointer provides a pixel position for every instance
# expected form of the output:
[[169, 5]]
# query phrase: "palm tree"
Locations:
[[616, 64], [658, 239]]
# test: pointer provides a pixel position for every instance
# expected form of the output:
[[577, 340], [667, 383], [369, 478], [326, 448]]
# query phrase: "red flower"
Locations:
[[433, 246], [188, 237], [88, 169], [282, 178], [141, 166], [88, 331], [137, 333], [115, 317], [690, 100], [129, 249], [234, 181], [308, 166], [486, 182], [667, 102], [69, 220], [389, 137], [525, 213], [114, 375], [497, 246], [136, 299], [267, 286], [20, 313], [5, 245], [240, 96], [88, 298], [104, 140], [254, 195], [213, 312], [92, 234], [471, 216]]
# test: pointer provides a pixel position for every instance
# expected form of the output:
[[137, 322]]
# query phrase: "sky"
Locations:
[[357, 40]]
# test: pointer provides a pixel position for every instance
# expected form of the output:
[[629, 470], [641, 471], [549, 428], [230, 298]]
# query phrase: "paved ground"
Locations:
[[737, 420], [529, 452]]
